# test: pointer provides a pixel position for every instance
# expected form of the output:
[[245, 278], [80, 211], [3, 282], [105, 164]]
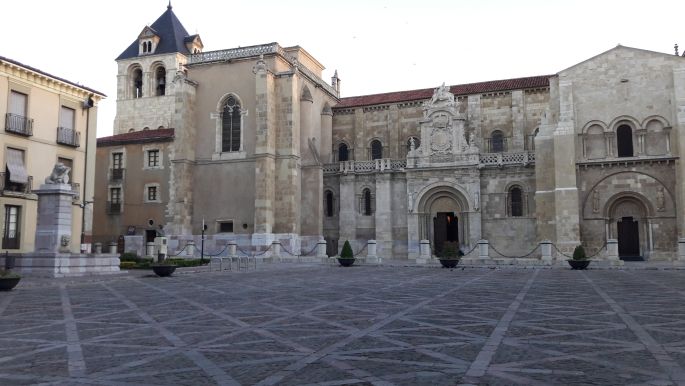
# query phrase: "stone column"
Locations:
[[53, 230], [383, 215]]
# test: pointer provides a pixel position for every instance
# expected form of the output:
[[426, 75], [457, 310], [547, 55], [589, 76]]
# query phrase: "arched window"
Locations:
[[329, 203], [376, 149], [160, 80], [417, 143], [343, 153], [515, 201], [366, 202], [497, 142], [624, 141], [137, 83], [230, 125]]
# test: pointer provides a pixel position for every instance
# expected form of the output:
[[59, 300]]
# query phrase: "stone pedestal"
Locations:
[[53, 240], [190, 248], [483, 249], [371, 253], [546, 251], [321, 249], [681, 250], [53, 228], [425, 252], [276, 250], [612, 249]]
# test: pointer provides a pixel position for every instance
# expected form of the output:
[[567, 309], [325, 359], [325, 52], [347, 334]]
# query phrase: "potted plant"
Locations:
[[346, 258], [163, 267], [451, 254], [8, 280], [580, 260]]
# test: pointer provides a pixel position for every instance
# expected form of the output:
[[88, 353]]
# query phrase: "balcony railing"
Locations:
[[116, 174], [69, 137], [18, 124], [113, 207], [12, 242], [7, 186]]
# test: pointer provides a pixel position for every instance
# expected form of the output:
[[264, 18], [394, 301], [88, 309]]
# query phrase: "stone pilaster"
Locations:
[[678, 142], [383, 215], [348, 212], [544, 169], [312, 172], [474, 117], [265, 137], [518, 109], [287, 174], [567, 215], [182, 156]]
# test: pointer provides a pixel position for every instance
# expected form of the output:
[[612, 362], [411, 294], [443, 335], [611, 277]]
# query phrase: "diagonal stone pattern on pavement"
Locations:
[[297, 325]]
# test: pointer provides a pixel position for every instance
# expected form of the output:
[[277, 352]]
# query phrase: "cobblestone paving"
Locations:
[[360, 325]]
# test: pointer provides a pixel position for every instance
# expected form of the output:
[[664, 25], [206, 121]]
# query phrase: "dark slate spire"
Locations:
[[171, 36]]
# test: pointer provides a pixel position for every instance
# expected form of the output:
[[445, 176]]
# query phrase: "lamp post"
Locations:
[[202, 242]]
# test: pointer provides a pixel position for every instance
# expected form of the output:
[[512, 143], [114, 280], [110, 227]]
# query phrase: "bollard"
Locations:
[[424, 252], [98, 248], [483, 249], [681, 249], [231, 248], [371, 255], [276, 250], [546, 250], [321, 248], [150, 249], [113, 248], [612, 249], [190, 248]]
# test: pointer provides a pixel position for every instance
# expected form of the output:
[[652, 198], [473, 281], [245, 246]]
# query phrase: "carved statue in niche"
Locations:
[[595, 201], [660, 199], [59, 175]]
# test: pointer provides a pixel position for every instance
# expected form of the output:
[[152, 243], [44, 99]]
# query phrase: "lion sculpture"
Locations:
[[59, 175]]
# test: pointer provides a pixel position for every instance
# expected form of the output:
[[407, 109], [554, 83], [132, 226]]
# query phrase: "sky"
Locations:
[[376, 45]]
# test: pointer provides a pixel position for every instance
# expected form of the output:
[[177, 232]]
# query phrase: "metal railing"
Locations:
[[116, 174], [113, 207], [18, 124], [7, 186], [12, 242], [69, 137]]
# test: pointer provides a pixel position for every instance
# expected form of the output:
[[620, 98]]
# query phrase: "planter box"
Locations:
[[163, 270]]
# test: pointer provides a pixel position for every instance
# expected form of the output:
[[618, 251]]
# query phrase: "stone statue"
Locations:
[[660, 199], [476, 200], [595, 201], [441, 94], [412, 144], [59, 175]]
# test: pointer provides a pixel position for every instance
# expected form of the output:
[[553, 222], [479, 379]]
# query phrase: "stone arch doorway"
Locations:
[[443, 218], [628, 223]]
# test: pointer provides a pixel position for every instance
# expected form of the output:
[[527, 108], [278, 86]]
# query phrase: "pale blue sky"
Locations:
[[376, 46]]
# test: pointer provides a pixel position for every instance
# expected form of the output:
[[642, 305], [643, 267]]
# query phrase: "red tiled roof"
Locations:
[[143, 136], [459, 89]]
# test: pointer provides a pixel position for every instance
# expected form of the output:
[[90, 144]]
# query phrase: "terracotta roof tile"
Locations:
[[143, 136], [459, 89]]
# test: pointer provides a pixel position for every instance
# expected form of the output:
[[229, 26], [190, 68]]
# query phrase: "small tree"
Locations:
[[346, 252], [579, 253]]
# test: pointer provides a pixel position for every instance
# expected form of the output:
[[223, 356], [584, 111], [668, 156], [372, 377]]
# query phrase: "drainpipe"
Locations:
[[87, 104]]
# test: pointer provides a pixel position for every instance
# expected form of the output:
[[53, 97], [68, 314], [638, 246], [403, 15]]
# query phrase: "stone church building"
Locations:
[[263, 149]]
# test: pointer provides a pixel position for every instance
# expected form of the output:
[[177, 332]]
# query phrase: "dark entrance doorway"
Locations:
[[628, 239], [150, 235], [445, 228]]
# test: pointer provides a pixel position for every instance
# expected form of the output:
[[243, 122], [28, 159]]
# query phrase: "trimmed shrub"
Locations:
[[346, 252], [450, 250], [127, 264], [579, 253], [129, 256]]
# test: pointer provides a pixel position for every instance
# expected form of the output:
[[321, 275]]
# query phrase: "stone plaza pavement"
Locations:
[[325, 325]]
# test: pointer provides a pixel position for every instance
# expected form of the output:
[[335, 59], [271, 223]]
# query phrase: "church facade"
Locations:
[[265, 150]]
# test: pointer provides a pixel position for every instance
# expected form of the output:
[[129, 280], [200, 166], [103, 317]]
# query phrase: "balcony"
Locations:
[[11, 242], [113, 207], [69, 137], [18, 124], [6, 186], [116, 174]]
